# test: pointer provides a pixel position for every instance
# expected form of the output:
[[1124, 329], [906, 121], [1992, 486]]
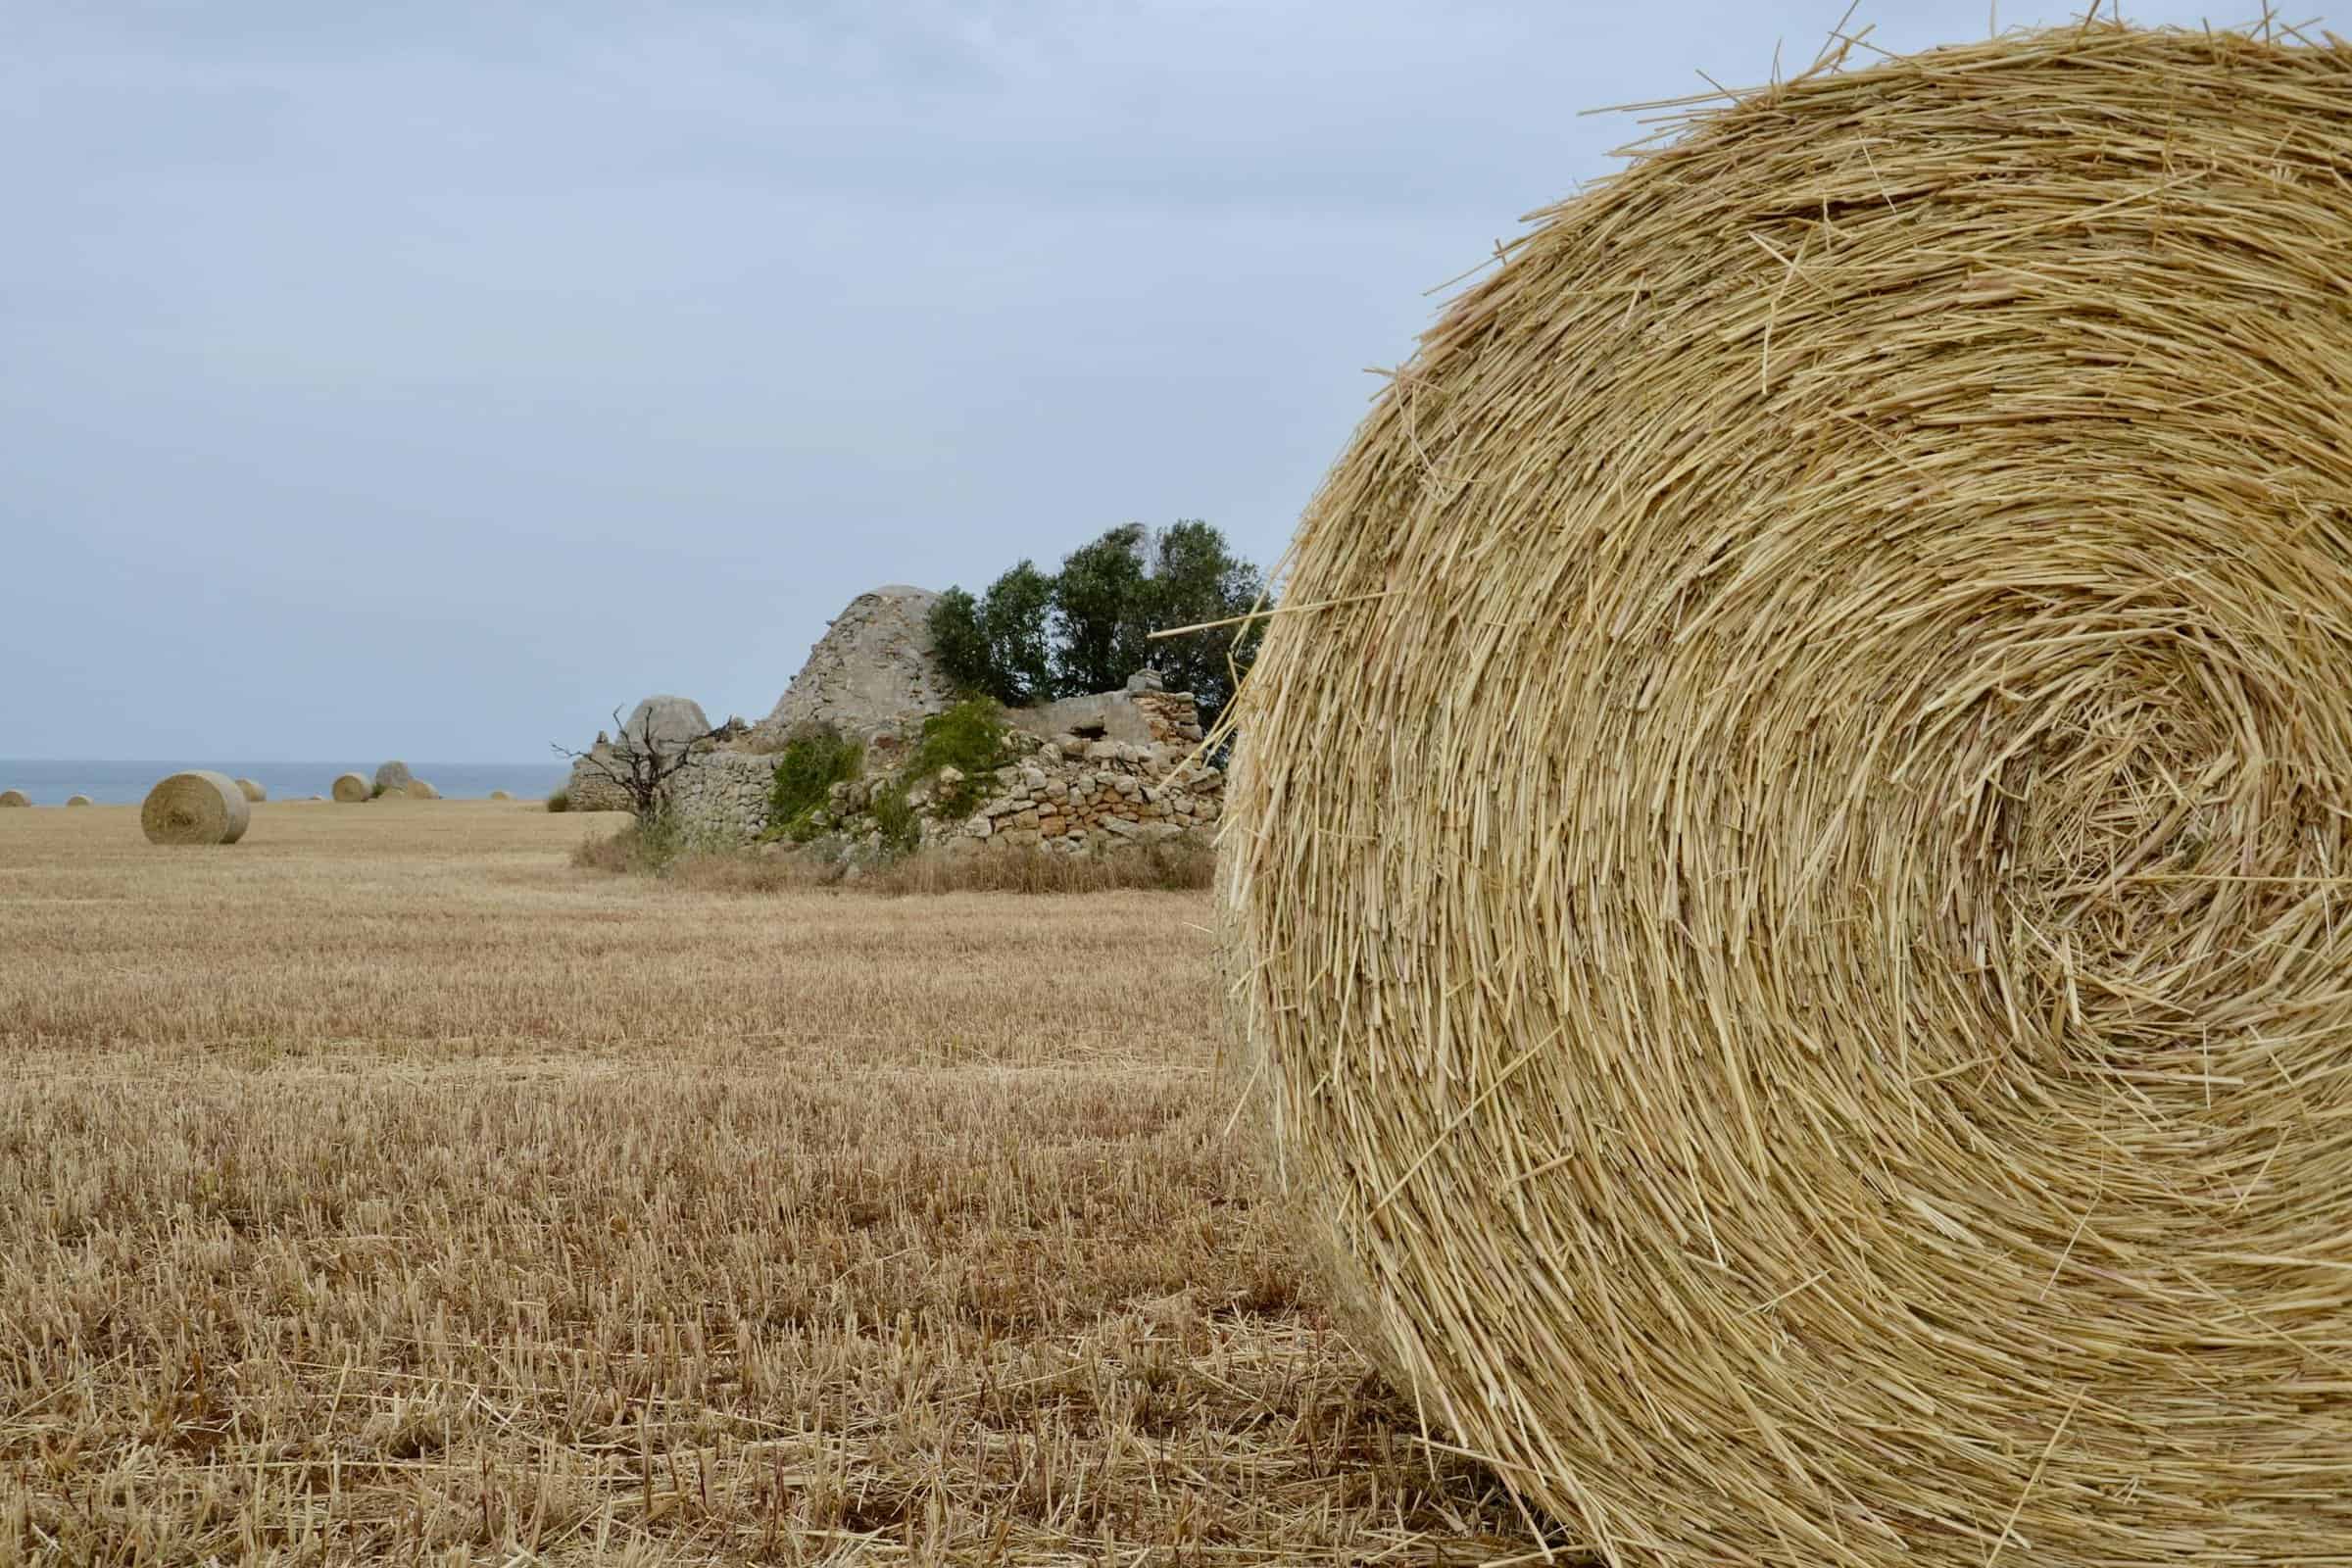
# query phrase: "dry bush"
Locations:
[[394, 1193], [658, 847], [1186, 867]]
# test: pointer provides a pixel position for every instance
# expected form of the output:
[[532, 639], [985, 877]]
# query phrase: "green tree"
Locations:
[[962, 643], [1016, 616], [1088, 626], [1102, 613], [998, 646], [1195, 579]]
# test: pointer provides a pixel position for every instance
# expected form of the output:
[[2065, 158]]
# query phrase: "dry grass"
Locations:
[[1188, 866], [391, 1190], [1818, 1023]]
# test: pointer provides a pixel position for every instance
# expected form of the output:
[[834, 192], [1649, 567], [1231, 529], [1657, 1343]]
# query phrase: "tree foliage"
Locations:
[[1087, 627]]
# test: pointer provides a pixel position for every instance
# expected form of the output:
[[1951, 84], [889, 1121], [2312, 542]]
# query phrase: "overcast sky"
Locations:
[[428, 379]]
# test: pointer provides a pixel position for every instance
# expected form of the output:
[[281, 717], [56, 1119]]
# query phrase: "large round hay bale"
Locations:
[[350, 788], [252, 790], [198, 807], [1789, 869], [78, 799], [9, 798], [391, 776], [420, 790]]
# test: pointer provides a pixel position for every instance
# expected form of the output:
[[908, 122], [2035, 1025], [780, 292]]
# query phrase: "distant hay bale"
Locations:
[[391, 776], [252, 790], [199, 808], [78, 799], [350, 788], [1784, 870], [420, 790], [15, 798], [500, 795]]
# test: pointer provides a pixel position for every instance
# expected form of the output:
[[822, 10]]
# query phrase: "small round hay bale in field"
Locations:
[[391, 776], [350, 788], [198, 807], [78, 799], [1787, 869], [252, 790], [9, 798], [500, 795], [420, 790]]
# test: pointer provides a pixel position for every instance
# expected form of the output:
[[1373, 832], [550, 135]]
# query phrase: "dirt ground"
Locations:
[[386, 1188]]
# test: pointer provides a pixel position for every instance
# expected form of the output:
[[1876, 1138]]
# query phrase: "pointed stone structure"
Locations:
[[875, 671]]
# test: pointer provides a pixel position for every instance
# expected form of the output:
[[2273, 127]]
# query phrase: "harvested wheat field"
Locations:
[[389, 1190]]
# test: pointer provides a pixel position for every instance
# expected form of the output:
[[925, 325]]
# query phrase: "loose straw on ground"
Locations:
[[196, 807], [1798, 929]]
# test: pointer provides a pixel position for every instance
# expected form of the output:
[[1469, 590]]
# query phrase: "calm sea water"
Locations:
[[127, 783]]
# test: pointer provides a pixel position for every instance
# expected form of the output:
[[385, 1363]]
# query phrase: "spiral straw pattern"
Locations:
[[1790, 873]]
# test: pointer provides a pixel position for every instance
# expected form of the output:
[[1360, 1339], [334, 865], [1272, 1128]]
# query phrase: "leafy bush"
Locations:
[[807, 770], [901, 829], [969, 737], [560, 800]]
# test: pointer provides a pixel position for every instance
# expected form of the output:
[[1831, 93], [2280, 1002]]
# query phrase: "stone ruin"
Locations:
[[873, 675], [1085, 773], [664, 722]]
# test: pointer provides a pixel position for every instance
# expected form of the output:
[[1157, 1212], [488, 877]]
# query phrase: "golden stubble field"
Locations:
[[385, 1188]]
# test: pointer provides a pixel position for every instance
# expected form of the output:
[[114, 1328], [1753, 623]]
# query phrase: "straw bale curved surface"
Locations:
[[195, 807], [1791, 871], [420, 790], [78, 799], [391, 776], [500, 795], [9, 798], [252, 790], [349, 788]]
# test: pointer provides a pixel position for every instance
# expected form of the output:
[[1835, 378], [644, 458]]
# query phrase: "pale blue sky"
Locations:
[[428, 379]]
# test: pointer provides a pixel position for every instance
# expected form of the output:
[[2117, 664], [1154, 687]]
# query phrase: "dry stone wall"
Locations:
[[1076, 795], [723, 793]]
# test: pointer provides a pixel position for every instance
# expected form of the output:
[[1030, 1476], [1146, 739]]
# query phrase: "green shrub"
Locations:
[[969, 737], [901, 829], [560, 800], [807, 769]]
